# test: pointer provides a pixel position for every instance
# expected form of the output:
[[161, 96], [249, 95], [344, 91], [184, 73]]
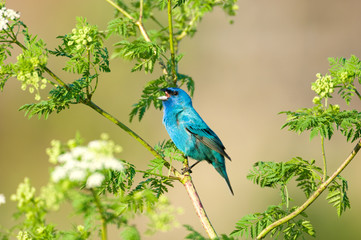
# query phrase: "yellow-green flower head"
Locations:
[[323, 86]]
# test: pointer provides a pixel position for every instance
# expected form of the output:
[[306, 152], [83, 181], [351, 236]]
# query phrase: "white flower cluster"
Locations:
[[5, 15], [86, 164]]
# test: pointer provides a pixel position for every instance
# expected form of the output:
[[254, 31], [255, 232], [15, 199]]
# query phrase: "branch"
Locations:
[[314, 196], [55, 77], [131, 133], [102, 215], [138, 23], [197, 204]]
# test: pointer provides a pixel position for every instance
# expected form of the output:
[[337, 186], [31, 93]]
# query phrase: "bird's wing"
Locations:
[[195, 125]]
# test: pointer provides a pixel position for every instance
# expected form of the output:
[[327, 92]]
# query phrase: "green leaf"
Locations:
[[145, 53], [193, 235], [337, 195], [149, 96], [130, 233], [121, 26]]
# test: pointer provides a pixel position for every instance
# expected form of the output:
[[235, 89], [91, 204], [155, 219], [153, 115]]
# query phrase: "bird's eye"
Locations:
[[175, 93]]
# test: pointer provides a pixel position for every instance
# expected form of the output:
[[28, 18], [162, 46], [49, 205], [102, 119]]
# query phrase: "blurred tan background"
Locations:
[[245, 74]]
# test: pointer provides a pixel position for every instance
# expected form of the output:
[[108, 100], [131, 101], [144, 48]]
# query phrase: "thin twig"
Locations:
[[324, 159], [138, 23], [314, 196], [171, 42], [157, 175]]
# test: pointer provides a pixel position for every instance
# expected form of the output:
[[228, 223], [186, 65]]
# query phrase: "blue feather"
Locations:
[[190, 133]]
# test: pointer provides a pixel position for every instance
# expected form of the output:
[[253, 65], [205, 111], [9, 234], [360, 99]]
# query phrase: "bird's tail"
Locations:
[[220, 166]]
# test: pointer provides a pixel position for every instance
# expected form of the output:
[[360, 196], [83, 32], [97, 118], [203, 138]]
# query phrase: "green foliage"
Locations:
[[29, 67], [323, 119], [308, 178], [323, 122], [252, 225], [84, 48], [146, 53], [60, 98], [273, 174], [345, 72], [194, 235], [189, 13], [152, 91], [337, 195], [121, 26], [114, 198], [130, 233], [148, 48]]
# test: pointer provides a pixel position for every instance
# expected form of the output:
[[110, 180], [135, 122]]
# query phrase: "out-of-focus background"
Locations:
[[245, 74]]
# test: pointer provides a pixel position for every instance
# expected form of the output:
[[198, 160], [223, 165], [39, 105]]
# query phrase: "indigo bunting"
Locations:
[[190, 133]]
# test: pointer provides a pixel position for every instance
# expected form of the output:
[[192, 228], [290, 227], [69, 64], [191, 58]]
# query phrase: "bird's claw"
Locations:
[[186, 170]]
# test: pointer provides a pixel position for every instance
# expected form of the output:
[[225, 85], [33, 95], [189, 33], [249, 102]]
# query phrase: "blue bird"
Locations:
[[190, 133]]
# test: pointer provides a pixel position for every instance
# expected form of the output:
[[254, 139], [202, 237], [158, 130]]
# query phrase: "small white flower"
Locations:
[[70, 164], [95, 180], [2, 199], [114, 164], [79, 151], [77, 175], [58, 174], [2, 11], [88, 156], [3, 23], [11, 14], [94, 165], [65, 157], [96, 144]]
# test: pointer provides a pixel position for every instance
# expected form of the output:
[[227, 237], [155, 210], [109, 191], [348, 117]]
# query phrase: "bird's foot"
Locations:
[[186, 170]]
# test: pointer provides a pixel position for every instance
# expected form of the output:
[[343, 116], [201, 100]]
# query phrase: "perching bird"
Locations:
[[190, 133]]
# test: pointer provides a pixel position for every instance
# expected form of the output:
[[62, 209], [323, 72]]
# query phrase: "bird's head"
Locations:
[[175, 97]]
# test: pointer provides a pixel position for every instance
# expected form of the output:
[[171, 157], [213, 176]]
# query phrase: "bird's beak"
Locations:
[[164, 98]]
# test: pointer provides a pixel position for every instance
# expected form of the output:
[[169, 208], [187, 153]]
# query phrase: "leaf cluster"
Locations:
[[252, 225], [84, 48], [323, 122], [145, 53], [148, 47], [60, 98], [277, 174], [166, 149], [337, 195], [345, 72]]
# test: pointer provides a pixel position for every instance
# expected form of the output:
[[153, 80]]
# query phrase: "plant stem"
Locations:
[[102, 215], [324, 159], [201, 212], [157, 175], [138, 23], [285, 191], [184, 33], [314, 196], [121, 10], [140, 11], [171, 42], [125, 128]]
